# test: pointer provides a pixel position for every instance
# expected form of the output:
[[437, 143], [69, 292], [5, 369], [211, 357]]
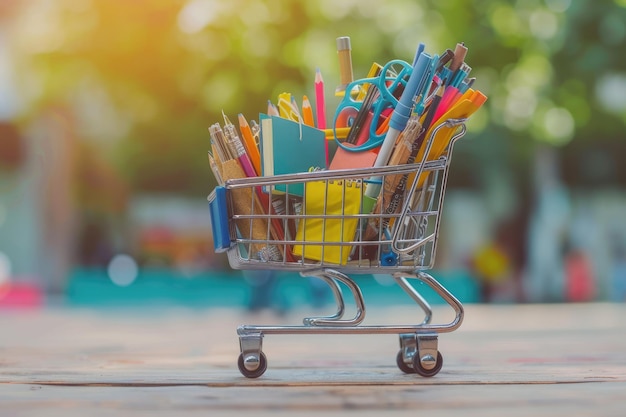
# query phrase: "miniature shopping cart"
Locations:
[[323, 225]]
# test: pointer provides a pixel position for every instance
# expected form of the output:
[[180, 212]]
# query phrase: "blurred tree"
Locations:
[[148, 77]]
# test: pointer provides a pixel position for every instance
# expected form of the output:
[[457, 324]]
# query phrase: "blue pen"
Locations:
[[420, 49], [399, 118], [466, 85], [458, 78], [423, 92], [445, 74]]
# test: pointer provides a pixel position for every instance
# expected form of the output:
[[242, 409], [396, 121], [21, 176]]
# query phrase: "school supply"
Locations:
[[389, 83], [345, 159], [250, 144], [287, 109], [307, 112], [289, 147], [320, 107], [319, 231], [245, 202], [320, 100], [344, 52], [382, 120], [419, 75]]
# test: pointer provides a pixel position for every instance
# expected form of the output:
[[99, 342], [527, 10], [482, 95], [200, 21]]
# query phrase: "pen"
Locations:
[[417, 143], [460, 51], [432, 110], [256, 129], [418, 52], [399, 118], [227, 121], [217, 140], [250, 144], [447, 100], [360, 122], [444, 59]]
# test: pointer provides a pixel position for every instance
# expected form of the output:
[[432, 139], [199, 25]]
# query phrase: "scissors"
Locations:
[[381, 97]]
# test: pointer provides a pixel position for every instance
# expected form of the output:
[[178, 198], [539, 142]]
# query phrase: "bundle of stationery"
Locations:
[[395, 115]]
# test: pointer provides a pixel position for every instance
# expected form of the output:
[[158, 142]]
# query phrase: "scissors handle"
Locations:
[[382, 92]]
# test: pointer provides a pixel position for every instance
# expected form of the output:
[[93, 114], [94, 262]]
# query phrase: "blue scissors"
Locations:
[[382, 92]]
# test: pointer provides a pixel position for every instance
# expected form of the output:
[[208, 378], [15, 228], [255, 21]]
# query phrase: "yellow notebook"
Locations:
[[329, 198]]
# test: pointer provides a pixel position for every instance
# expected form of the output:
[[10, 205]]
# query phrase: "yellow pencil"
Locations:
[[342, 133]]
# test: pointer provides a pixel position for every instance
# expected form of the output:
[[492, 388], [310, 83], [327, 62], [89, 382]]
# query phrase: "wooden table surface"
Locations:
[[505, 360]]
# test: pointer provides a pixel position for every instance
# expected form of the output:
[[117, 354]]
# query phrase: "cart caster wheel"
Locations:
[[402, 365], [419, 368], [255, 373]]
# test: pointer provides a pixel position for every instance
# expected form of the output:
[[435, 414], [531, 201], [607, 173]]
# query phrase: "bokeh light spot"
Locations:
[[123, 270], [559, 125], [611, 92], [520, 107], [198, 14], [506, 21], [221, 91], [558, 6], [543, 24]]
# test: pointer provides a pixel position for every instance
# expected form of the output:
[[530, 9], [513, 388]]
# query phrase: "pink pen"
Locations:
[[446, 102]]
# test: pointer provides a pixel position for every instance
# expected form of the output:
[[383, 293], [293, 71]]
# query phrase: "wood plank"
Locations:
[[504, 360]]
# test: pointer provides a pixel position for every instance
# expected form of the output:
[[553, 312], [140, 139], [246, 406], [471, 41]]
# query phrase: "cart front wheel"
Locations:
[[420, 369], [402, 365], [255, 373]]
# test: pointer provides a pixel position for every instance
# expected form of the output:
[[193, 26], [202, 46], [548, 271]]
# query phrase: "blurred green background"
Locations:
[[105, 104]]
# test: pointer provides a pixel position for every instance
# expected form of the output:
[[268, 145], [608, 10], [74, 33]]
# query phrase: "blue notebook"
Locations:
[[289, 147]]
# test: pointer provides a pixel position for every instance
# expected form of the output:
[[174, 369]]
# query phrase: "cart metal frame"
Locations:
[[410, 241]]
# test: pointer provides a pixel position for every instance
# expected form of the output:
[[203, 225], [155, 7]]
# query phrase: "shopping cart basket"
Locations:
[[332, 230]]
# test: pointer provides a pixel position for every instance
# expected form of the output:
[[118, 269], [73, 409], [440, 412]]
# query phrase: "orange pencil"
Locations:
[[248, 142], [307, 112]]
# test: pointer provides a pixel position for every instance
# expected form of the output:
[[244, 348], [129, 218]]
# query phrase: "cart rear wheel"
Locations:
[[260, 370], [407, 369], [419, 368]]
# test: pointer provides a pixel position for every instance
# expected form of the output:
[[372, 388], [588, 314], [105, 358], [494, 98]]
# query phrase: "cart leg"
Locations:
[[252, 362], [336, 277], [334, 286], [446, 295], [416, 296]]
